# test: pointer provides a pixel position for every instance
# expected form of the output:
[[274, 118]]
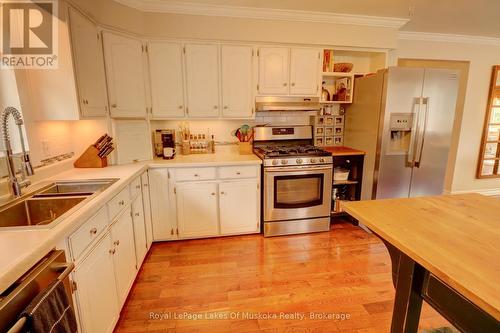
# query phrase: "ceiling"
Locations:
[[462, 17]]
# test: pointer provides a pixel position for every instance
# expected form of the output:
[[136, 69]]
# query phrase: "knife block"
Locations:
[[90, 159]]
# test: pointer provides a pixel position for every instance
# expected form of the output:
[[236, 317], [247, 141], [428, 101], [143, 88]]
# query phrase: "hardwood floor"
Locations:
[[344, 272]]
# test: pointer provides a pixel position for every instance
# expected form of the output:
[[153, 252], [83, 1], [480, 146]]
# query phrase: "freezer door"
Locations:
[[439, 98], [392, 172]]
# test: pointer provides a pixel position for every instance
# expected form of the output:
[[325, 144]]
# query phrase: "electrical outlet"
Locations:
[[46, 149]]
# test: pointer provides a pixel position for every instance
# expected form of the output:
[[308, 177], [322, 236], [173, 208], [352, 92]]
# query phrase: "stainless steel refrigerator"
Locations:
[[403, 119]]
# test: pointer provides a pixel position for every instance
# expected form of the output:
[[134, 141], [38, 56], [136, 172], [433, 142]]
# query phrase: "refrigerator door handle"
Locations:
[[421, 133], [417, 104]]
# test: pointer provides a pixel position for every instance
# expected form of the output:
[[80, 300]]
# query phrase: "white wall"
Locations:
[[482, 58]]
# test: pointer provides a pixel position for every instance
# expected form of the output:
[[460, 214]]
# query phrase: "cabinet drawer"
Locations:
[[188, 174], [238, 172], [119, 202], [135, 187], [88, 232]]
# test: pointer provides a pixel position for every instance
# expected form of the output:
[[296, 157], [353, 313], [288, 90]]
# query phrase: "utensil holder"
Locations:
[[245, 148], [90, 159]]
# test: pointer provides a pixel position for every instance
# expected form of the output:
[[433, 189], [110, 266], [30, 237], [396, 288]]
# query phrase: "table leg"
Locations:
[[408, 301]]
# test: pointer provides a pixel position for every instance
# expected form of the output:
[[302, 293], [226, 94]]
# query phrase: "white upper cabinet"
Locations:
[[165, 71], [304, 71], [274, 67], [125, 76], [202, 80], [197, 209], [237, 81], [89, 65]]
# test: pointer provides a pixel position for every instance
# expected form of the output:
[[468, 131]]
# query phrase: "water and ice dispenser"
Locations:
[[400, 127]]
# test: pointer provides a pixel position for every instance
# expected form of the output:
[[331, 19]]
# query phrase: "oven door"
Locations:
[[298, 192]]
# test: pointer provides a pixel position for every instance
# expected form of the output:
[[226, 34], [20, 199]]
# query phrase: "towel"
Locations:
[[50, 311]]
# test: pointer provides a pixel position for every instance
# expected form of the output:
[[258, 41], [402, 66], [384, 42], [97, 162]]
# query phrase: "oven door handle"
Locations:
[[298, 168]]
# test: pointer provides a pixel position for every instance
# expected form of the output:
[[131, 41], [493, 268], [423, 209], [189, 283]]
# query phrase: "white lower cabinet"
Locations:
[[122, 234], [197, 209], [162, 208], [141, 246], [96, 293], [146, 201], [239, 207]]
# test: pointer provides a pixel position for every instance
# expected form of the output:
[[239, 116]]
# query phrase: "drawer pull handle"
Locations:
[[117, 242], [238, 173], [121, 202], [213, 193], [112, 251], [93, 231], [222, 193], [196, 175]]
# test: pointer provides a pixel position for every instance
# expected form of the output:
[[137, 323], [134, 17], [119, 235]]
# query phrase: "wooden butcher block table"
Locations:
[[444, 250]]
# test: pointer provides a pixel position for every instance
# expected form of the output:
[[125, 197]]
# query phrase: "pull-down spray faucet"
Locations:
[[26, 168]]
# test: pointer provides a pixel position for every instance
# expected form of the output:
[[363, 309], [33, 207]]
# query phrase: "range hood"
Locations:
[[286, 103]]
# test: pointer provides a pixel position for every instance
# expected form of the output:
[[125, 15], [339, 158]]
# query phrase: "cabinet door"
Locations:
[[146, 201], [89, 65], [125, 76], [237, 70], [96, 297], [202, 80], [162, 206], [197, 209], [122, 234], [273, 70], [304, 71], [165, 71], [239, 207], [141, 246]]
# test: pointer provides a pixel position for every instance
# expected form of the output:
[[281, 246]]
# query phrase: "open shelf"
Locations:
[[338, 74], [344, 182]]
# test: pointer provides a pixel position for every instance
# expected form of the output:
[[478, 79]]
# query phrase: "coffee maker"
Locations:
[[165, 143]]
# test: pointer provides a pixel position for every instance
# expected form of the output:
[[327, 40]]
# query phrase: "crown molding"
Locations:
[[448, 38], [177, 7]]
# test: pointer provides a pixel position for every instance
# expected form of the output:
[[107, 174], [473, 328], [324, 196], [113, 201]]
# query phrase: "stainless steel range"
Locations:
[[297, 180]]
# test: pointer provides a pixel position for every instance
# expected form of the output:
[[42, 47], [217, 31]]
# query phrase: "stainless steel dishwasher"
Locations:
[[18, 296]]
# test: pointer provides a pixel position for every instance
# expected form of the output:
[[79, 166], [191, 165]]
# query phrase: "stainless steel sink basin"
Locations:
[[37, 212], [72, 188], [50, 204]]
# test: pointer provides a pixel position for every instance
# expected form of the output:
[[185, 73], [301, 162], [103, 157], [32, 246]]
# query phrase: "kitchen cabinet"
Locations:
[[96, 294], [274, 65], [202, 80], [146, 201], [122, 235], [89, 65], [304, 71], [125, 76], [237, 81], [162, 206], [289, 71], [167, 87], [239, 206], [197, 209], [140, 240]]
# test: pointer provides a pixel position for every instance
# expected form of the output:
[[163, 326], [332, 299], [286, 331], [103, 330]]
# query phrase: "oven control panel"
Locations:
[[283, 131], [292, 161]]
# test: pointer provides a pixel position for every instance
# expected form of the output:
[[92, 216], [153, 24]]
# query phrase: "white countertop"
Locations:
[[21, 249]]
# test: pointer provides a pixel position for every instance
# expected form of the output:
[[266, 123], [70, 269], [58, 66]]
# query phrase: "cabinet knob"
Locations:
[[180, 107], [216, 107], [137, 186], [285, 84], [117, 242], [121, 203], [222, 193], [293, 84], [196, 175], [226, 107], [112, 251], [93, 231], [213, 193], [137, 214], [114, 105], [238, 173], [145, 185]]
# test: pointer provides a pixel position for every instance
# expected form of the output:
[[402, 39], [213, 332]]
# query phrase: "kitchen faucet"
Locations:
[[26, 168]]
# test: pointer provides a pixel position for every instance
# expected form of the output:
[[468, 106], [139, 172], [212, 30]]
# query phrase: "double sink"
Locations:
[[50, 204]]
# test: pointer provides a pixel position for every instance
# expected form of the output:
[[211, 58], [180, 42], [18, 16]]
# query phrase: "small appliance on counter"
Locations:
[[165, 143]]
